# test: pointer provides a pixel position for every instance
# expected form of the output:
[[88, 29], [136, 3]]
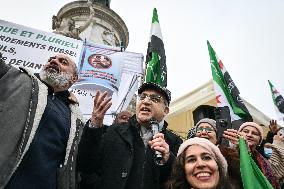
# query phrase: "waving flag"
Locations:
[[252, 176], [227, 94], [278, 101], [156, 69]]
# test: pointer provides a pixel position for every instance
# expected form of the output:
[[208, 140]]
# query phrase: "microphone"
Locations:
[[155, 129]]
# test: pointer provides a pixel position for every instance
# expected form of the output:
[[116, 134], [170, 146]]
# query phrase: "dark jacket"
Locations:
[[23, 99], [118, 158], [233, 159]]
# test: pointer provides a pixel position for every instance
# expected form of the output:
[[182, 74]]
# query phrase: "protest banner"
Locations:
[[22, 46], [100, 67]]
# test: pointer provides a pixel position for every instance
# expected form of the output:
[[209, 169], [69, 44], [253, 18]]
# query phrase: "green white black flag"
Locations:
[[156, 69], [227, 94], [278, 101]]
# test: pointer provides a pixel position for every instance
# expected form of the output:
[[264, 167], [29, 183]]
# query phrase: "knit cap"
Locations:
[[211, 122], [255, 125], [213, 150]]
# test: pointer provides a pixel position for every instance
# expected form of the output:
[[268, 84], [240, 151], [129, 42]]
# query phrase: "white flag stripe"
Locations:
[[275, 93], [278, 114], [156, 30], [223, 101]]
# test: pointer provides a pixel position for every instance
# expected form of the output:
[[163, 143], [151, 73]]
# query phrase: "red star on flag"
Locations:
[[217, 99], [221, 65], [274, 91]]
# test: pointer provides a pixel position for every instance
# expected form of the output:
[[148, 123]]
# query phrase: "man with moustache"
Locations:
[[39, 127], [123, 157]]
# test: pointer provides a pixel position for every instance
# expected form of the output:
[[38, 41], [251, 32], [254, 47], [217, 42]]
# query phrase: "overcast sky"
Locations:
[[247, 35]]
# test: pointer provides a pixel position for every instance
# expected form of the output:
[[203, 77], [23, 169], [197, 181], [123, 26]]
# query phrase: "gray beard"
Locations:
[[55, 80]]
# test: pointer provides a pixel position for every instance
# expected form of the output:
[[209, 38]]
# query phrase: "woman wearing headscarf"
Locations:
[[199, 165]]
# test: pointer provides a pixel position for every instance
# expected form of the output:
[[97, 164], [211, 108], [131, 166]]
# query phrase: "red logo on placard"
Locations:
[[99, 61]]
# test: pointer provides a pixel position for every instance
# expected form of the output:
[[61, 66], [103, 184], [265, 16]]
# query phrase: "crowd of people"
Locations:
[[271, 164], [46, 144]]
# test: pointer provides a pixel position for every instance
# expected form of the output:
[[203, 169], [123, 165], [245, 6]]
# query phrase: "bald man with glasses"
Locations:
[[123, 157]]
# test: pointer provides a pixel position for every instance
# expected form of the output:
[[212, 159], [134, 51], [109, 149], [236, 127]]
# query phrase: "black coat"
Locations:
[[117, 158]]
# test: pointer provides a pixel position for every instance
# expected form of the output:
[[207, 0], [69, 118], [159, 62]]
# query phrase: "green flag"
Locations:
[[156, 69], [252, 176], [278, 101], [227, 93]]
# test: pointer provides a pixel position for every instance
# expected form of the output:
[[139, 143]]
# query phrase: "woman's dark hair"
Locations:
[[178, 178]]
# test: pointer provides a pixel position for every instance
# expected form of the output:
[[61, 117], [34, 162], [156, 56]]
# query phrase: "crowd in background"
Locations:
[[45, 144]]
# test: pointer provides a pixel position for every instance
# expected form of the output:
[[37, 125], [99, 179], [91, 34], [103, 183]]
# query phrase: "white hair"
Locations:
[[54, 79]]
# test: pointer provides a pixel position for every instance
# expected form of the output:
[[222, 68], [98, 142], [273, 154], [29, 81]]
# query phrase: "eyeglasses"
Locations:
[[206, 129], [153, 97]]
